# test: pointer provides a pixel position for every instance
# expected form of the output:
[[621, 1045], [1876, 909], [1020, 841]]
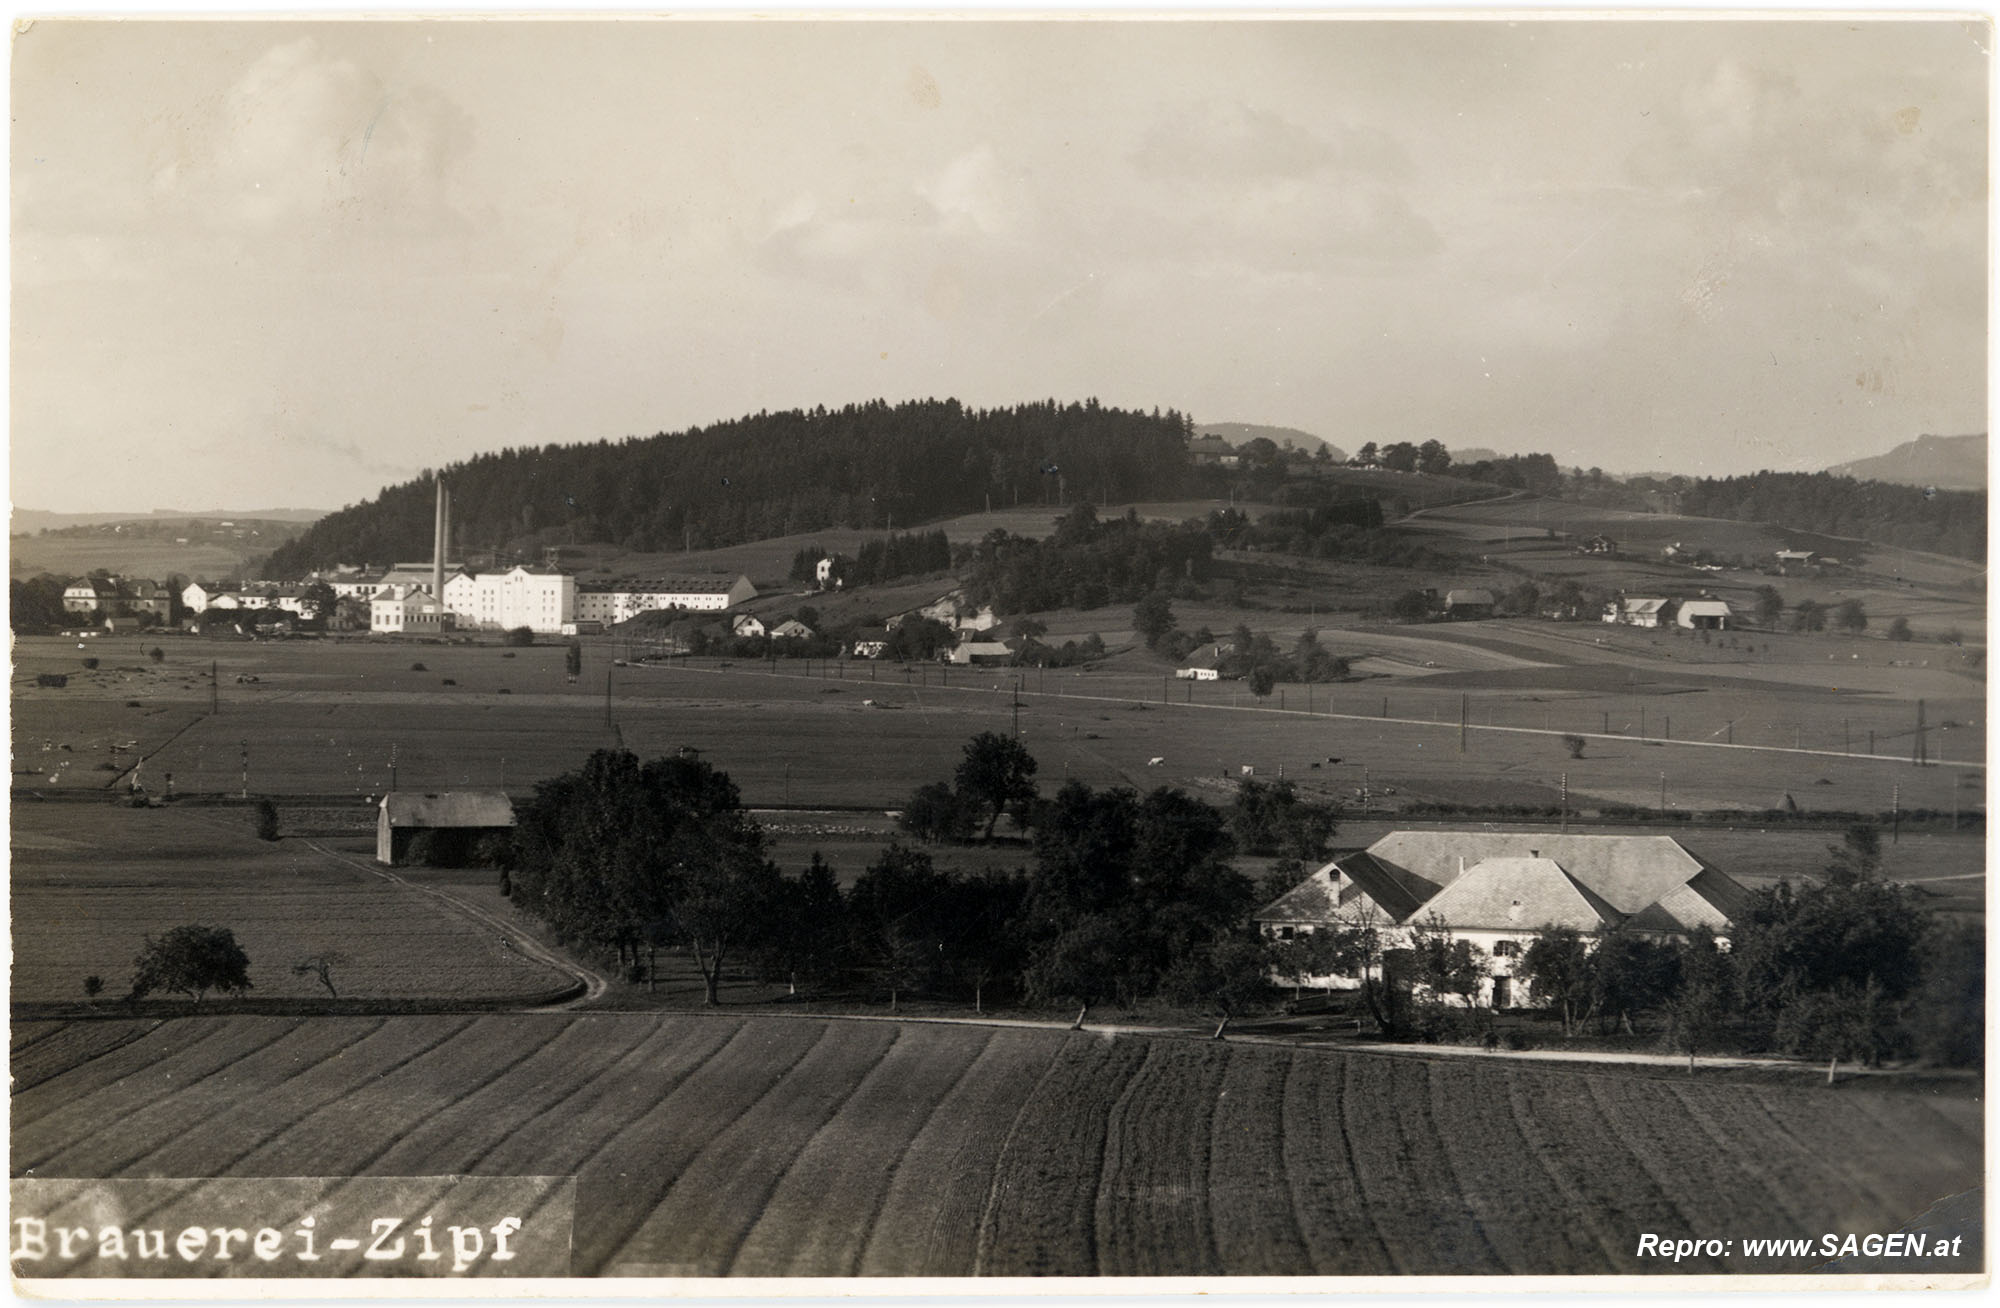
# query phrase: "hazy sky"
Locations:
[[260, 264]]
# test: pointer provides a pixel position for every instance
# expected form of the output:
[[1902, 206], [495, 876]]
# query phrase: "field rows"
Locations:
[[747, 1146]]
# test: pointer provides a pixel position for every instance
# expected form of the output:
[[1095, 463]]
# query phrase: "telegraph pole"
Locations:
[[1563, 792], [1920, 754], [246, 769], [1461, 722], [1895, 815], [214, 691]]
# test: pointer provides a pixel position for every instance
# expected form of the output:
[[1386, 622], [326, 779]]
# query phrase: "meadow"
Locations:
[[89, 883], [726, 1146]]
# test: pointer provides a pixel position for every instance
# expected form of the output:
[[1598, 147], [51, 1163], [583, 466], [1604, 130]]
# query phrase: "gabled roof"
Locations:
[[451, 808], [1629, 872], [1316, 899], [1520, 894], [1392, 889], [1468, 597], [1644, 605], [1706, 608]]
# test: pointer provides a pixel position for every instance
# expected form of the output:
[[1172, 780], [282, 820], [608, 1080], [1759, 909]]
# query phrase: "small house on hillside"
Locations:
[[449, 825], [746, 624], [1462, 604], [1603, 545], [1704, 615], [791, 629], [1204, 663], [1636, 611], [1795, 556], [986, 652]]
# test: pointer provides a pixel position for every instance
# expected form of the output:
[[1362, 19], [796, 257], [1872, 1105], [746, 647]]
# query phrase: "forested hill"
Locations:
[[1941, 521], [772, 474]]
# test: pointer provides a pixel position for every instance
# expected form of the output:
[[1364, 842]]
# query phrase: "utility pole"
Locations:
[[1663, 794], [1017, 708], [1920, 754], [246, 769], [214, 691], [607, 695], [1563, 801], [1461, 722], [1895, 814], [392, 767]]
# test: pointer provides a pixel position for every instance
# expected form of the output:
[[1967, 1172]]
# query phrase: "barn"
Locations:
[[453, 820]]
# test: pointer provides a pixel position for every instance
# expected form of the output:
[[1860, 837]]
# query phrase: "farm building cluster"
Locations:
[[1498, 890]]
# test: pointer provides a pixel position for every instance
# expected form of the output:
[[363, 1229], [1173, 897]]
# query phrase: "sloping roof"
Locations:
[[1523, 894], [1644, 605], [1629, 872], [1392, 889], [1316, 899], [1468, 597], [711, 585], [1206, 657], [1708, 608], [451, 808], [1711, 899]]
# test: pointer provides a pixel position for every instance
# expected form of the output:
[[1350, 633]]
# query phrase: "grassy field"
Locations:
[[327, 719], [723, 1145], [90, 882]]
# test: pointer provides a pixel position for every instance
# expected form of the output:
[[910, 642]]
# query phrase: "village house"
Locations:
[[1635, 611], [90, 596], [981, 652], [792, 629], [746, 624], [1498, 890], [1467, 604], [1211, 451], [1704, 615], [1204, 663], [1602, 545], [872, 643]]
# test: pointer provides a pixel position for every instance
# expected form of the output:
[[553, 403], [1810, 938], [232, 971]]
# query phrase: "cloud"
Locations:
[[307, 139]]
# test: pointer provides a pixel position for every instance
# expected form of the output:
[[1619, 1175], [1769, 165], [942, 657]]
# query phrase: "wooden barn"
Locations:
[[453, 821]]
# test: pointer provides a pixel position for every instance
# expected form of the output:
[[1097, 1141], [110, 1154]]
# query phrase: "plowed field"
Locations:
[[719, 1145]]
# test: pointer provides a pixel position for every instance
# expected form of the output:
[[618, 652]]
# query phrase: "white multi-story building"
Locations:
[[405, 611], [538, 598], [617, 601]]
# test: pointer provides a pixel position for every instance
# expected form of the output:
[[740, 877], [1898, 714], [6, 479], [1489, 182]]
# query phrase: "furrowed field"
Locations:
[[718, 1145]]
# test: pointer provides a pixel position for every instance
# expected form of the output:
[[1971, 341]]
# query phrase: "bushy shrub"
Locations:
[[51, 680], [267, 820], [520, 636]]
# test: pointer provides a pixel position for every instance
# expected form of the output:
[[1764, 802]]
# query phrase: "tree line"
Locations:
[[1085, 563], [1123, 895], [870, 465]]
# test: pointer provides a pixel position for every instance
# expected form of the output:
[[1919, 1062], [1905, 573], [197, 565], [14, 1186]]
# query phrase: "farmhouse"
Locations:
[[1795, 556], [1704, 615], [1468, 604], [746, 624], [1203, 664], [792, 629], [1598, 545], [452, 821], [988, 652], [1496, 890], [1210, 451], [1634, 611], [90, 596]]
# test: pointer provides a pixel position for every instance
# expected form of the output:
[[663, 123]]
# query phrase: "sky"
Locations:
[[262, 264]]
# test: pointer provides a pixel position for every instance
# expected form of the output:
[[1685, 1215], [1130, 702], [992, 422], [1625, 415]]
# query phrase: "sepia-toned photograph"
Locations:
[[839, 649]]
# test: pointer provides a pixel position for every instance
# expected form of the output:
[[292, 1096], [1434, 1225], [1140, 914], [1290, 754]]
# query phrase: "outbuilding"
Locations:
[[454, 820]]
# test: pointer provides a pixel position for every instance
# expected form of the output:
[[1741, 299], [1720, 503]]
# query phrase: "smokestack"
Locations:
[[437, 547]]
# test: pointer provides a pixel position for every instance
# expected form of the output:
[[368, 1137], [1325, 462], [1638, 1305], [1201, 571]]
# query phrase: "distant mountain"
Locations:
[[1238, 432], [1946, 462], [26, 522]]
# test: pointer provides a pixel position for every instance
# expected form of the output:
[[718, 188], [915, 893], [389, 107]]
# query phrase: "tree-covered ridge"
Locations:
[[770, 474], [1941, 521]]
